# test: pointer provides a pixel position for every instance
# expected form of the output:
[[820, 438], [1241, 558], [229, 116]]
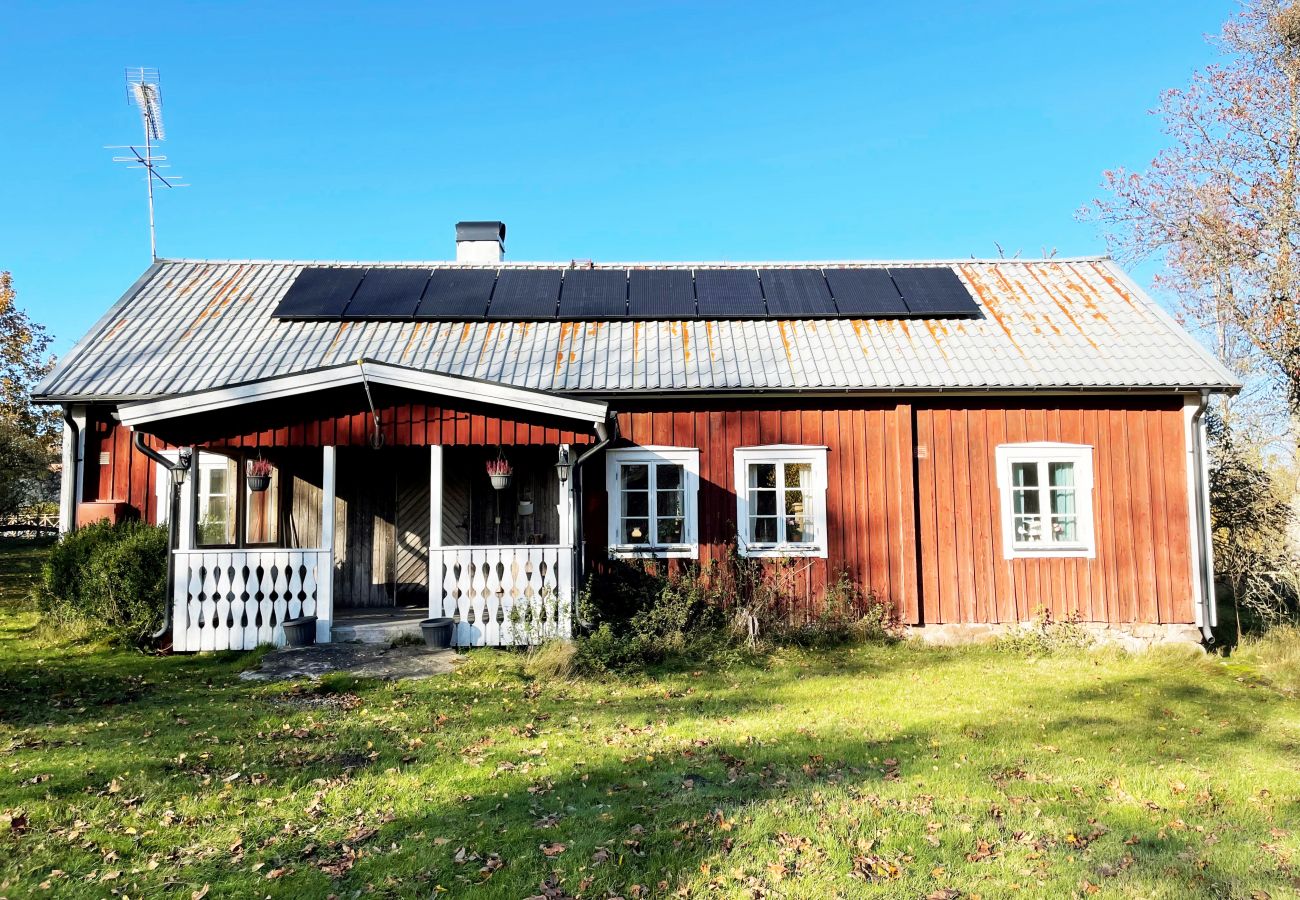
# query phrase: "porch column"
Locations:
[[435, 530], [325, 568]]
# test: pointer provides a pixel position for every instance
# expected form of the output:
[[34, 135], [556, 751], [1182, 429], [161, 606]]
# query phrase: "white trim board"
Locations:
[[488, 392]]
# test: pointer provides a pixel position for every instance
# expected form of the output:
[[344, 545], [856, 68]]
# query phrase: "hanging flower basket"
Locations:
[[259, 474], [500, 472]]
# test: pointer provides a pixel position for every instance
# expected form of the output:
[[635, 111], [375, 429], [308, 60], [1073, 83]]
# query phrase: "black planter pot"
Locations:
[[437, 632], [259, 482], [300, 632]]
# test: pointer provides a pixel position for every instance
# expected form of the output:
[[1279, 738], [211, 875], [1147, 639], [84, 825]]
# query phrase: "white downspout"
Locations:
[[1198, 484]]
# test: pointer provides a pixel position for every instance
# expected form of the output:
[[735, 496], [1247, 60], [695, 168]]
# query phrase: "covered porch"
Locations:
[[378, 499]]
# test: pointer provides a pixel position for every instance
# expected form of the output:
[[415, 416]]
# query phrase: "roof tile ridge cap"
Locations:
[[637, 264]]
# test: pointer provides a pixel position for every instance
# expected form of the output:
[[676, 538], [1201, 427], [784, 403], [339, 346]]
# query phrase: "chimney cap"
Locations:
[[481, 231]]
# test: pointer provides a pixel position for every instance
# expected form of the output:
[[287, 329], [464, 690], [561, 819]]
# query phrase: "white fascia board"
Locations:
[[491, 393]]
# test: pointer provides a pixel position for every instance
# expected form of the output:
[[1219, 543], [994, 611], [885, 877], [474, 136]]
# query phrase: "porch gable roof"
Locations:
[[363, 371]]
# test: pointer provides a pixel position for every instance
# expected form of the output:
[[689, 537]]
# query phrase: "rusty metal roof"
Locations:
[[190, 325]]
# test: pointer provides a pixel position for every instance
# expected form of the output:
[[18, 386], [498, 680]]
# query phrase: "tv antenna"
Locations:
[[144, 90]]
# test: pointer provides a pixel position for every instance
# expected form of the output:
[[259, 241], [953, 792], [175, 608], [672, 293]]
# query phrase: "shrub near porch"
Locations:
[[872, 770]]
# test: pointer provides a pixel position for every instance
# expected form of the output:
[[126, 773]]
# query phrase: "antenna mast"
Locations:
[[144, 89]]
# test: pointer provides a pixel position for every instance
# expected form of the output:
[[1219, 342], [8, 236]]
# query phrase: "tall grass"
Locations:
[[1275, 657]]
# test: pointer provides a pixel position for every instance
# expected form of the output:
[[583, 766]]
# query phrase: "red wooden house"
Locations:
[[973, 440]]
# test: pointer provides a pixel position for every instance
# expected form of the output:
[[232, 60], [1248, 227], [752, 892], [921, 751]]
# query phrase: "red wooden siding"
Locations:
[[1141, 572], [343, 419], [912, 503], [870, 513]]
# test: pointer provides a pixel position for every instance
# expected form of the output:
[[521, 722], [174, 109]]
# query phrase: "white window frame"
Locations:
[[202, 468], [686, 457], [781, 453], [1042, 454]]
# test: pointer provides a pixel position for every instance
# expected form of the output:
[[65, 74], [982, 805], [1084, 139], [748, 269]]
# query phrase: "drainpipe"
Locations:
[[1205, 548], [173, 514], [605, 433], [74, 436]]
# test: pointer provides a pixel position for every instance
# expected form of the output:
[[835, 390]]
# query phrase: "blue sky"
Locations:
[[611, 131]]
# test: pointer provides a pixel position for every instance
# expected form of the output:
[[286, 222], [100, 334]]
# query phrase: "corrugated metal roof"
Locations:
[[191, 325]]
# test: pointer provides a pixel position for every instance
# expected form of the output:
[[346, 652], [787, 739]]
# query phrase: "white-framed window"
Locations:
[[218, 484], [781, 500], [653, 494], [1046, 499]]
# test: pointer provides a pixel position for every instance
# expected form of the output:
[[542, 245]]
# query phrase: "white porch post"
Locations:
[[186, 511], [435, 530], [325, 577]]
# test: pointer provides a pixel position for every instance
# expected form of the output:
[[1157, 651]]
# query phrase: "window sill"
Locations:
[[774, 552], [629, 552], [1051, 552]]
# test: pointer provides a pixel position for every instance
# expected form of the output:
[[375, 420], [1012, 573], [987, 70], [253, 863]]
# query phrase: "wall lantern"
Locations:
[[184, 457], [562, 465]]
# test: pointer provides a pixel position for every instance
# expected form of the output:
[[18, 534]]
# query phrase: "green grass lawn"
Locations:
[[874, 771]]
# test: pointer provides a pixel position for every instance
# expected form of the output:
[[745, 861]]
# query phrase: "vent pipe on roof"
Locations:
[[480, 242]]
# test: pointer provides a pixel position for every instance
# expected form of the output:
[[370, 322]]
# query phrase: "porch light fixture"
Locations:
[[563, 465], [184, 457]]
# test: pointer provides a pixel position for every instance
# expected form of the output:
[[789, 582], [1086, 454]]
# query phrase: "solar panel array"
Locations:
[[541, 294]]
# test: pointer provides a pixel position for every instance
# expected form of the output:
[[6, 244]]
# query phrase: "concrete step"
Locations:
[[378, 627]]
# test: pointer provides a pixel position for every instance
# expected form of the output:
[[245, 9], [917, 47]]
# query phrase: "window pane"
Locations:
[[636, 503], [636, 476], [668, 476], [1065, 529], [764, 503], [670, 530], [762, 475], [670, 503], [262, 509], [218, 477], [798, 475], [636, 531], [1026, 502], [1063, 501], [1029, 529], [762, 530], [1024, 474], [794, 503], [1061, 474], [799, 530]]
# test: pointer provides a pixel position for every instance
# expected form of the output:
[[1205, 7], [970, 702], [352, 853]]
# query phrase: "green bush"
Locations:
[[111, 578]]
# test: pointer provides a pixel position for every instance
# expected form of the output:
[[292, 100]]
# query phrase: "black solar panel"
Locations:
[[319, 293], [594, 294], [388, 294], [729, 294], [523, 294], [459, 294], [934, 292], [660, 294], [867, 293], [796, 293]]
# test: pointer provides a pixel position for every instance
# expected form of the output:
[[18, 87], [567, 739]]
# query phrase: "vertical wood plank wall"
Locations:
[[869, 509], [1142, 570], [932, 546]]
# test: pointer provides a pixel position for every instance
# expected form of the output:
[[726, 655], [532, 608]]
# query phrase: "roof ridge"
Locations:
[[642, 264]]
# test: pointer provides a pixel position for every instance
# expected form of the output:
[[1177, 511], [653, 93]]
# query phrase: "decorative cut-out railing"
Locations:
[[238, 599], [503, 596]]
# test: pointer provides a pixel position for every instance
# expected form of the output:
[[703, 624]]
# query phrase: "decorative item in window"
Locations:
[[525, 506], [259, 474], [500, 471]]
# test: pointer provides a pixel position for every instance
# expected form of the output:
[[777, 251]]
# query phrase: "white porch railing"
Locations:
[[237, 599], [503, 596]]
